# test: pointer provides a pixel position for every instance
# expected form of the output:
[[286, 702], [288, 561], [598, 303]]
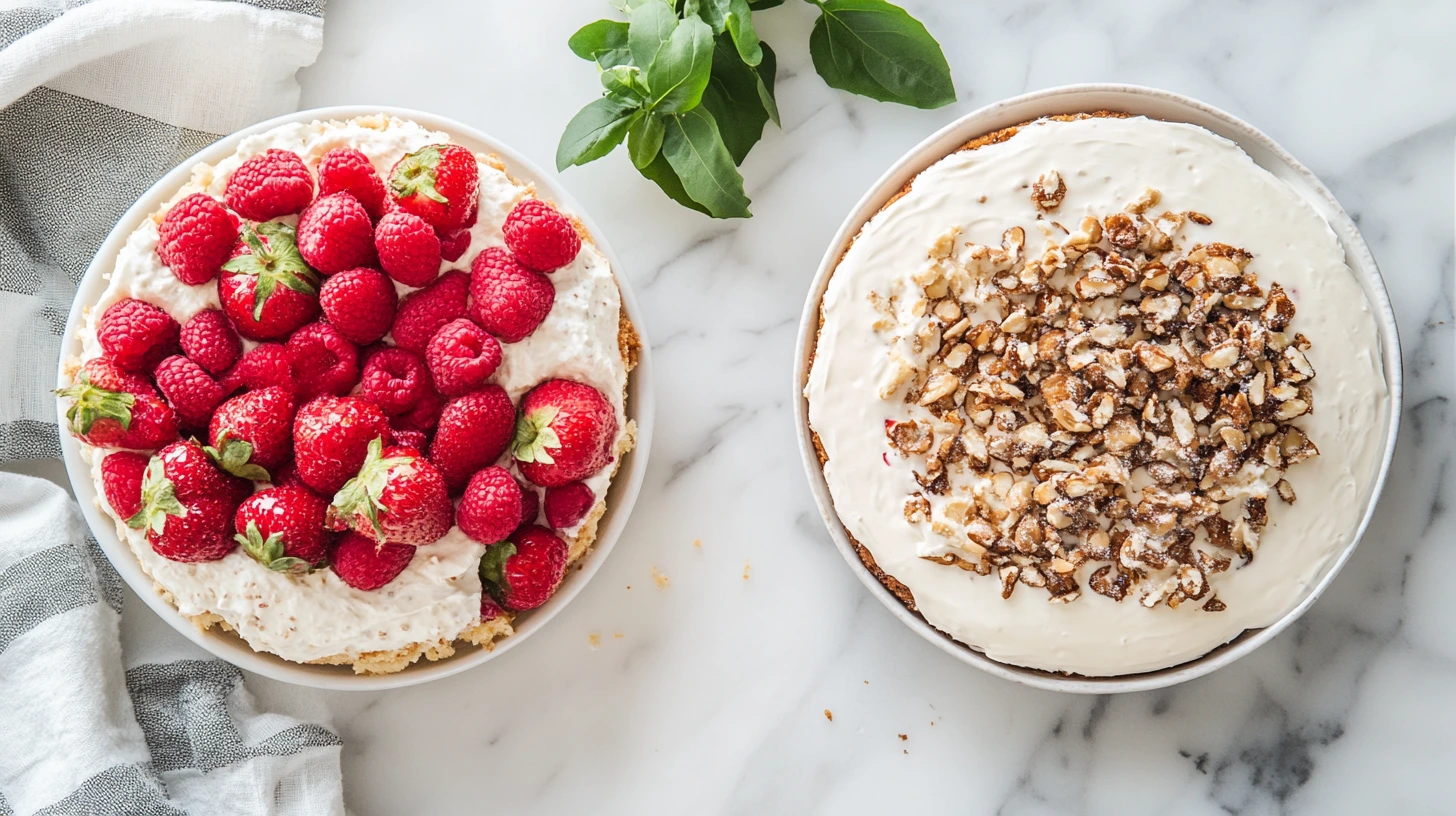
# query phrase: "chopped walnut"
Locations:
[[1047, 379]]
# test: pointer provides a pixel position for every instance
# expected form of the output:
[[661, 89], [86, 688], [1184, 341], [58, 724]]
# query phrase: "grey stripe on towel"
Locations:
[[41, 586], [130, 789]]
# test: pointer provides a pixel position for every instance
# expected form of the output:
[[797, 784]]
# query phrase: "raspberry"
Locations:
[[193, 393], [408, 248], [210, 340], [540, 237], [136, 335], [492, 505], [473, 432], [567, 505], [323, 361], [418, 441], [462, 355], [439, 183], [507, 299], [121, 481], [424, 416], [453, 244], [395, 379], [359, 303], [267, 365], [422, 313], [335, 233], [362, 564], [196, 237], [272, 183], [346, 170]]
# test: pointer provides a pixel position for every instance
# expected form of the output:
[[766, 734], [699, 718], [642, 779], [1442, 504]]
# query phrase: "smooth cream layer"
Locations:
[[438, 594], [1106, 164]]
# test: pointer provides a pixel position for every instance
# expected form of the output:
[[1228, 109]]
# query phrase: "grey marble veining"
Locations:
[[709, 695]]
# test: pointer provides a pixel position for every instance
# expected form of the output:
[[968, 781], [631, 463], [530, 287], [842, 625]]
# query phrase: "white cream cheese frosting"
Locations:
[[438, 595], [1106, 162]]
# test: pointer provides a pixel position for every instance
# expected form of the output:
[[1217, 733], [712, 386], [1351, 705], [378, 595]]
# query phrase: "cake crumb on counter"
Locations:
[[659, 578], [829, 715], [595, 640]]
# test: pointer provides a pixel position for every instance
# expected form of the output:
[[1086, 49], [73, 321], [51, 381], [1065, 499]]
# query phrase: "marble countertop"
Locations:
[[709, 694]]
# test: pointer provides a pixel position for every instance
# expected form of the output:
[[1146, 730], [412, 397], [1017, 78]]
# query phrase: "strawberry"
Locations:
[[507, 299], [395, 380], [282, 528], [331, 437], [286, 475], [362, 564], [270, 184], [252, 433], [567, 431], [266, 366], [408, 248], [121, 482], [489, 609], [195, 474], [523, 572], [266, 289], [346, 170], [210, 340], [453, 244], [323, 361], [135, 334], [118, 419], [397, 498], [335, 233], [492, 506], [462, 356], [474, 431], [190, 390], [540, 237], [103, 373], [196, 237], [422, 313], [568, 504], [359, 303], [439, 183]]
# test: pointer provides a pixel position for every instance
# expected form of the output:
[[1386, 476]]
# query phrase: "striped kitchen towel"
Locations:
[[99, 98], [82, 735]]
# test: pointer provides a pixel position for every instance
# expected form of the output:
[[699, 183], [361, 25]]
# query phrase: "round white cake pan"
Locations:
[[1155, 104], [228, 646]]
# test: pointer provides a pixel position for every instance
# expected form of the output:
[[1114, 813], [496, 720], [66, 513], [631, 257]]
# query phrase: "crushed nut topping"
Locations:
[[1114, 406]]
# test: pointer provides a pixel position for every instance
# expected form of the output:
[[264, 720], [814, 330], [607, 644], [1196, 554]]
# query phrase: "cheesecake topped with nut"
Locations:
[[1092, 394]]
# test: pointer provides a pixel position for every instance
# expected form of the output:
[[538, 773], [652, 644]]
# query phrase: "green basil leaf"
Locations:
[[694, 148], [659, 172], [651, 26], [763, 4], [735, 17], [625, 84], [603, 42], [767, 71], [733, 98], [644, 140], [680, 72], [876, 49], [593, 132]]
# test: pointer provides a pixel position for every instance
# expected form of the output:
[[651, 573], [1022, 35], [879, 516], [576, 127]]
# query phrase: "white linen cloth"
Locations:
[[79, 734], [98, 98]]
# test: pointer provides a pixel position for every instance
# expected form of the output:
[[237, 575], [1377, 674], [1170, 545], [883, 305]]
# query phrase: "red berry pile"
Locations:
[[319, 419]]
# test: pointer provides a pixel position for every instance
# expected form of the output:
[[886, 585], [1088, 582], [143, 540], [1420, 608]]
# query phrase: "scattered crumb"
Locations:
[[982, 199], [629, 586], [661, 579], [905, 751], [746, 568], [617, 635], [595, 640], [903, 737], [932, 723], [867, 682], [698, 542], [829, 715]]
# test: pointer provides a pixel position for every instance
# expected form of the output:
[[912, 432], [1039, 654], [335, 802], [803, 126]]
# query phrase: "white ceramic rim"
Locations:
[[1156, 104], [229, 647]]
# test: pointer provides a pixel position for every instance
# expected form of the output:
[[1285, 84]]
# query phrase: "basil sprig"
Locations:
[[689, 86]]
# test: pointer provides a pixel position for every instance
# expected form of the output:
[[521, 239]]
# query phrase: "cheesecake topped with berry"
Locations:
[[355, 394], [1096, 394]]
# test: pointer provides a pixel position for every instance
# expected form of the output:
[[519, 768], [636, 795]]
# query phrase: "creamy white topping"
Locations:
[[1106, 164], [438, 594]]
